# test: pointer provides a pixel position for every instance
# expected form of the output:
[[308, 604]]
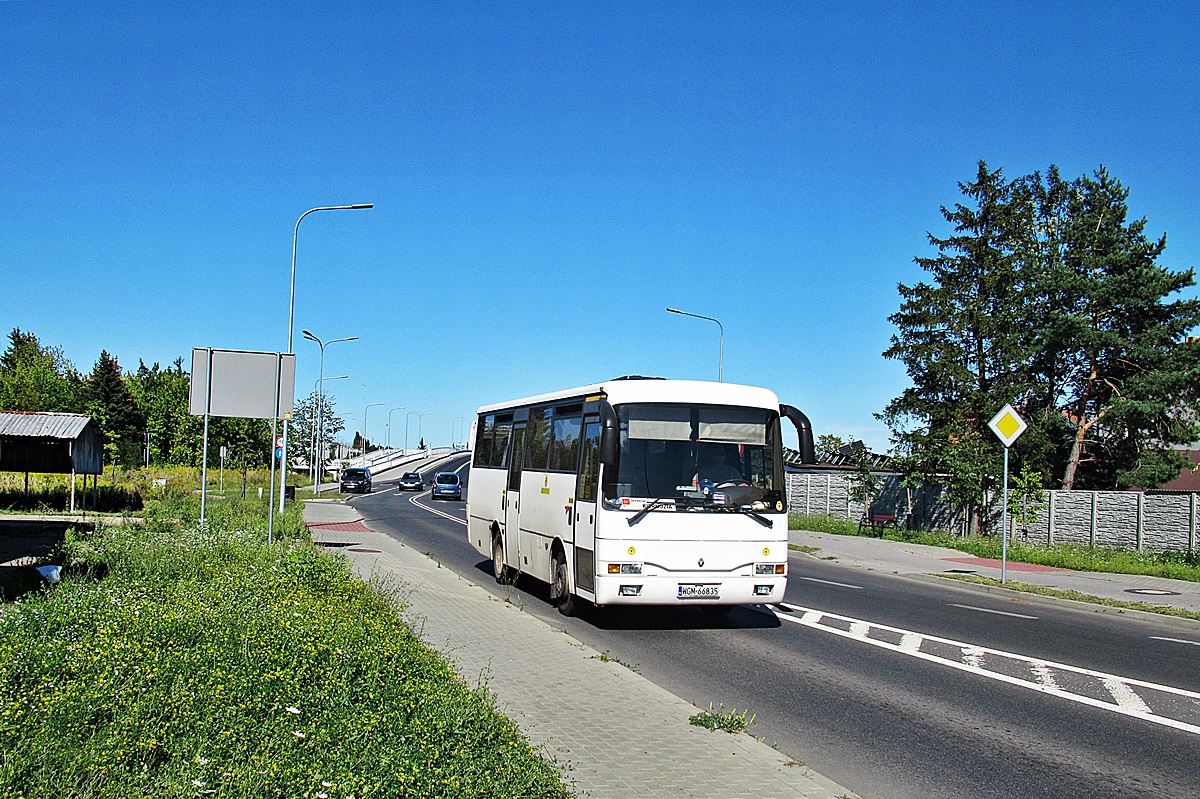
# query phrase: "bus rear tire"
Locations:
[[560, 588]]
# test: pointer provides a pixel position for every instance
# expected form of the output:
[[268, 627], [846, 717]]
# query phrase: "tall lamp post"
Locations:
[[319, 454], [393, 410], [721, 362], [419, 415], [291, 310], [454, 430], [321, 396], [369, 407]]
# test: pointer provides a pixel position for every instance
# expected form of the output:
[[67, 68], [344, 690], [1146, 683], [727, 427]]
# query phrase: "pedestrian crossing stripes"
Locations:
[[1159, 704]]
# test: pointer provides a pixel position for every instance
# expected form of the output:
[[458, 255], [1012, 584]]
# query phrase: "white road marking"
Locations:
[[1126, 699], [1174, 640], [989, 610], [1128, 696], [973, 656], [435, 511], [830, 582], [1044, 674]]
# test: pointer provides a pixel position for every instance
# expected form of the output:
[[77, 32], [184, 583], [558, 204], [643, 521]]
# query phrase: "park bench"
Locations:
[[877, 521]]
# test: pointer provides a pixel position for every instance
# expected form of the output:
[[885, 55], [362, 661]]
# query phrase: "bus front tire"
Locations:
[[560, 589]]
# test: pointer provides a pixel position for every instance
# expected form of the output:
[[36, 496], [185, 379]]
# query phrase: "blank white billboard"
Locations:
[[244, 385]]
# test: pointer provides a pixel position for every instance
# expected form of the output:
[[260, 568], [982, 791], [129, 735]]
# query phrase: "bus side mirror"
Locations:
[[610, 434], [804, 432], [608, 449]]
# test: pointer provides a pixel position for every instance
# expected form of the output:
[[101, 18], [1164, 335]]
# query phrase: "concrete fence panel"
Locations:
[[1119, 519]]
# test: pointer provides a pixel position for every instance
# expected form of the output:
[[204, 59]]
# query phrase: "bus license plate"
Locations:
[[700, 591]]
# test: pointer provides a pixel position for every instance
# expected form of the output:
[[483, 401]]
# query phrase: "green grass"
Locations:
[[127, 491], [1079, 557], [180, 662], [727, 721]]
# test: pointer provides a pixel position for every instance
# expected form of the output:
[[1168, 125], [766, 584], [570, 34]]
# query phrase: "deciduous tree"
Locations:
[[37, 378]]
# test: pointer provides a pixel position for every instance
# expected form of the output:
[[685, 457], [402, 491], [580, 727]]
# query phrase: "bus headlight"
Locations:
[[763, 590], [624, 568], [770, 568]]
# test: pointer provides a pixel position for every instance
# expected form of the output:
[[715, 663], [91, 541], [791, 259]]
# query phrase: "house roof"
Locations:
[[30, 424]]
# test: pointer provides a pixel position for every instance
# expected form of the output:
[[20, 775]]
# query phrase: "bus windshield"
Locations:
[[682, 450]]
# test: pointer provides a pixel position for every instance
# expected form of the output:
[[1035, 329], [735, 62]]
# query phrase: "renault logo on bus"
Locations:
[[700, 563]]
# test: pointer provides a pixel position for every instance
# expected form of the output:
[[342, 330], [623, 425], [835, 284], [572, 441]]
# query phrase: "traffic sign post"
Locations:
[[1008, 427]]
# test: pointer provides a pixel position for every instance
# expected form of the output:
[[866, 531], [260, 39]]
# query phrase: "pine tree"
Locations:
[[1046, 298], [964, 339], [1128, 382], [108, 401]]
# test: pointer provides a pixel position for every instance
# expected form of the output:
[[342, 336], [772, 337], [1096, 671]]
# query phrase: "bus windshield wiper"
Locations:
[[637, 517], [763, 520]]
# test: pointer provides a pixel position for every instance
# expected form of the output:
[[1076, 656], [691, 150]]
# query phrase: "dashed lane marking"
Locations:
[[990, 610], [1174, 640], [1159, 704], [830, 582]]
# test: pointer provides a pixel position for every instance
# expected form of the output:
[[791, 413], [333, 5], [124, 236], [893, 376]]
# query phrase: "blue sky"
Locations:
[[547, 179]]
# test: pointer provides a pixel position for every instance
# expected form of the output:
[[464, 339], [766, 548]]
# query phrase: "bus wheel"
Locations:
[[500, 571], [560, 589]]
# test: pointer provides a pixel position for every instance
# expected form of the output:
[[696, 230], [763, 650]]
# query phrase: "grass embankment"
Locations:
[[127, 491], [174, 662], [1079, 557]]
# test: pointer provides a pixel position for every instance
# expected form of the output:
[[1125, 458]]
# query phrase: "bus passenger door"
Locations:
[[512, 496], [587, 491]]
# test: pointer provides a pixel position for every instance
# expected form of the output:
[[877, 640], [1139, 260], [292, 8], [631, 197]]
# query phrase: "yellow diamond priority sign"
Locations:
[[1007, 425]]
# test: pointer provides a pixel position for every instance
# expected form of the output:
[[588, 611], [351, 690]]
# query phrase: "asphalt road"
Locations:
[[883, 723]]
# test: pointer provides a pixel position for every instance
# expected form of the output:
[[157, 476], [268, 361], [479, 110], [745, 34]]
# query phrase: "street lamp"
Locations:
[[364, 447], [419, 415], [320, 397], [319, 455], [393, 410], [291, 309], [454, 430], [721, 362]]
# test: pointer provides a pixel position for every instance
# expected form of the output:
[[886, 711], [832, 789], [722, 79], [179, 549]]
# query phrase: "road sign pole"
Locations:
[[1008, 427], [1004, 532]]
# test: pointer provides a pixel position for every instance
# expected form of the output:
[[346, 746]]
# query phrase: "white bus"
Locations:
[[613, 492]]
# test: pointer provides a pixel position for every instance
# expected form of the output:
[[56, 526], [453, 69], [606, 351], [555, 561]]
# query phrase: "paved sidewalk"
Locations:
[[617, 734], [917, 559]]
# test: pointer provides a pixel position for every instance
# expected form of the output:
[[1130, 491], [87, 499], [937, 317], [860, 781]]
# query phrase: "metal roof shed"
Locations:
[[49, 443]]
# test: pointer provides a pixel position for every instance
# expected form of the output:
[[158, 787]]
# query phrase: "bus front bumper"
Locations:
[[689, 589]]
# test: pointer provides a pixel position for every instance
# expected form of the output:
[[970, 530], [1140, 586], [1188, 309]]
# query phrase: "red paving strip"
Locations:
[[1012, 567], [339, 527]]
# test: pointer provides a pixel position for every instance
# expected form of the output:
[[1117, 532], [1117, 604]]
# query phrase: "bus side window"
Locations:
[[483, 446], [539, 431], [589, 464], [565, 447], [500, 450]]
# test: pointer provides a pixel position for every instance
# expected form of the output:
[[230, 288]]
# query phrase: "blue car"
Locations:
[[447, 485]]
